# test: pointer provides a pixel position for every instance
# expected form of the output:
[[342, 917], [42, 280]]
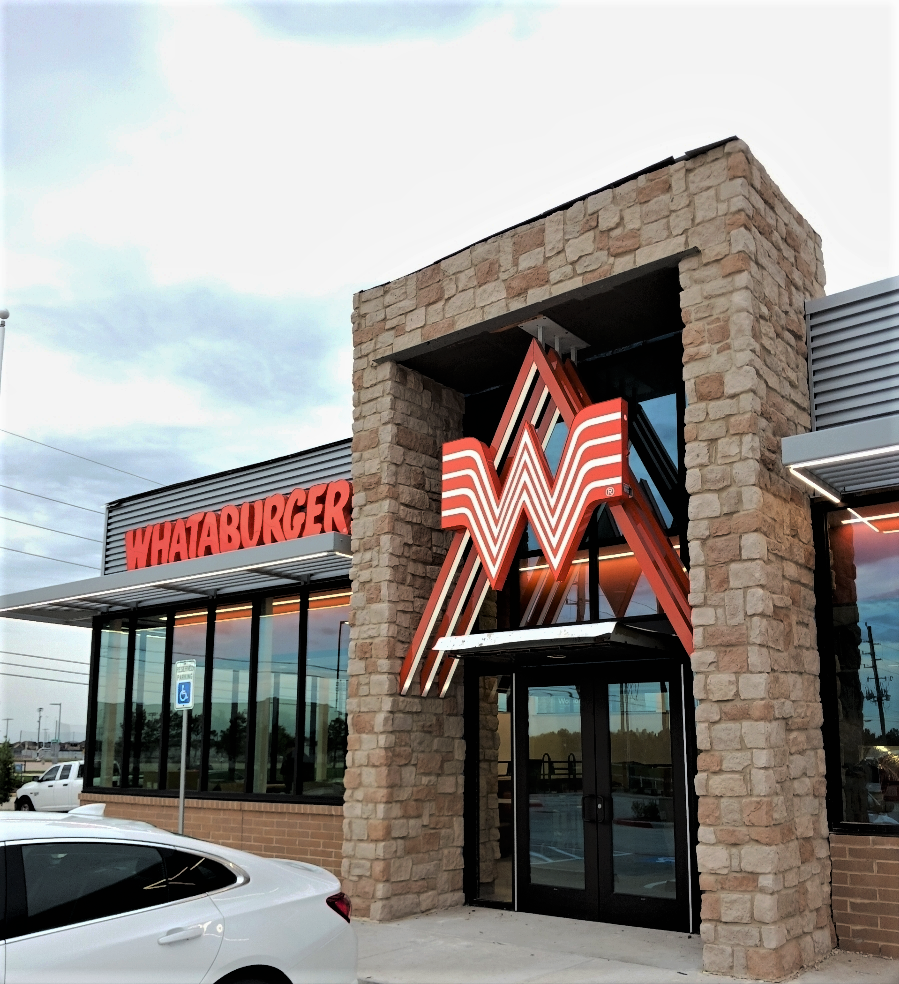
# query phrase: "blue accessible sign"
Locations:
[[184, 684]]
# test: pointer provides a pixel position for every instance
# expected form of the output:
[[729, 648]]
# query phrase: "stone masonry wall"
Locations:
[[763, 852], [403, 807]]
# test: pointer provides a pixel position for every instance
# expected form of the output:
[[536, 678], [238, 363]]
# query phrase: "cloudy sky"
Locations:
[[194, 192]]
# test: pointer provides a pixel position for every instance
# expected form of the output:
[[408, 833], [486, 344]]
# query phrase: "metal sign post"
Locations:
[[184, 702]]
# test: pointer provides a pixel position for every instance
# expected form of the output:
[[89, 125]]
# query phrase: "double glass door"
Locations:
[[600, 793]]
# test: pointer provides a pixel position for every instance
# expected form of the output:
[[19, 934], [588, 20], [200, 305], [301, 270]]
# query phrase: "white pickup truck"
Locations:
[[55, 792]]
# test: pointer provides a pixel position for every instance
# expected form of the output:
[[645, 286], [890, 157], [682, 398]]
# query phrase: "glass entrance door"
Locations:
[[601, 821]]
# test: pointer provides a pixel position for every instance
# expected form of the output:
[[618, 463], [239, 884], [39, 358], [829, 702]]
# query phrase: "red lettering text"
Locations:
[[314, 507], [271, 518], [209, 536], [137, 547], [229, 529], [338, 508]]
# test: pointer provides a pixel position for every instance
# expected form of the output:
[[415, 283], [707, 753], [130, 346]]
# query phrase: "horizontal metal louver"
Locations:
[[306, 468], [854, 354]]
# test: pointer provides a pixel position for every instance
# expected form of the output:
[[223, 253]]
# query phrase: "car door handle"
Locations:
[[177, 935]]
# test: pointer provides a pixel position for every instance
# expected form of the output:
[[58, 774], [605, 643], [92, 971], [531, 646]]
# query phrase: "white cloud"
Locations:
[[285, 167]]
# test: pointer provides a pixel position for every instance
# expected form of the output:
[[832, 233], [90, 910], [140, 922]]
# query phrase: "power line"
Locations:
[[25, 676], [9, 519], [62, 502], [81, 456], [50, 669], [44, 557], [55, 659]]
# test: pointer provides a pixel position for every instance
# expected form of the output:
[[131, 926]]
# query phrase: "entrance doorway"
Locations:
[[582, 791]]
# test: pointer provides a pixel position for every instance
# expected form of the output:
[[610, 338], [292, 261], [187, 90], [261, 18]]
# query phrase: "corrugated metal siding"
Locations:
[[307, 468], [854, 354]]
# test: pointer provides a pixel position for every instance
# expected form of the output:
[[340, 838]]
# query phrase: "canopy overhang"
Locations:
[[274, 566], [499, 644], [846, 460]]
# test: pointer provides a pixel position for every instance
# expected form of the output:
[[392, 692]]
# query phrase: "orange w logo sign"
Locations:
[[495, 512]]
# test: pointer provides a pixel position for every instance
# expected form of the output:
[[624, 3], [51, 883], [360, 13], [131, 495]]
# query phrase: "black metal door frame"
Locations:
[[598, 900]]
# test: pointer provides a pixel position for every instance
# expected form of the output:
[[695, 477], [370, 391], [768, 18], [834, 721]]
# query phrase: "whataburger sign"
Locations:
[[490, 493], [321, 509]]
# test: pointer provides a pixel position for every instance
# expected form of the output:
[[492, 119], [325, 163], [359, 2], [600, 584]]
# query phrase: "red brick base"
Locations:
[[300, 831], [866, 893]]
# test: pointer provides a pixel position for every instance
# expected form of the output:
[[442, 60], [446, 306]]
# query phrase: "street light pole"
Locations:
[[58, 719], [40, 711], [4, 314]]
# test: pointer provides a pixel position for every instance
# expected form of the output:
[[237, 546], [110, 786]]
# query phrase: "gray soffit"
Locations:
[[853, 354], [556, 636], [838, 461], [275, 566]]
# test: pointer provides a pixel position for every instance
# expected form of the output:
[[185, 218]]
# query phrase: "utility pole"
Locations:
[[58, 719], [40, 711], [6, 721], [877, 690]]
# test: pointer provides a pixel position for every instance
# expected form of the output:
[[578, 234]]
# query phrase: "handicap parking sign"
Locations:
[[184, 684]]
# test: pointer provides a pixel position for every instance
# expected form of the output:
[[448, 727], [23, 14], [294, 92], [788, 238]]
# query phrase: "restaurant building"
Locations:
[[613, 631]]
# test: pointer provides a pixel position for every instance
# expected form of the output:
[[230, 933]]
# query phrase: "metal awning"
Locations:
[[852, 458], [554, 636], [276, 565]]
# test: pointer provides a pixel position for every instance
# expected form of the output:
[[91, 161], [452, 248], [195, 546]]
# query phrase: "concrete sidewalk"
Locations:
[[489, 946]]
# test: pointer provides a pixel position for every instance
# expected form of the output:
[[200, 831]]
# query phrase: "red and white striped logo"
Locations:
[[495, 511]]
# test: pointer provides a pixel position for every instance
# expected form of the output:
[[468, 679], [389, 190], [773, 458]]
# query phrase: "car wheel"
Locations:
[[24, 804]]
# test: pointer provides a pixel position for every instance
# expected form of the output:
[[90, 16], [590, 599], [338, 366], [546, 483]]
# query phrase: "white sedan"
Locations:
[[92, 899]]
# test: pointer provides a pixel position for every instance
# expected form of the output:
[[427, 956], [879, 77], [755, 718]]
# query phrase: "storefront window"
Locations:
[[188, 642], [146, 701], [495, 790], [276, 696], [247, 733], [325, 733], [111, 674], [230, 699], [864, 552]]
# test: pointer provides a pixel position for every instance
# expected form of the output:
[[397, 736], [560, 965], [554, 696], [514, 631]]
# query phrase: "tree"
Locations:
[[8, 781]]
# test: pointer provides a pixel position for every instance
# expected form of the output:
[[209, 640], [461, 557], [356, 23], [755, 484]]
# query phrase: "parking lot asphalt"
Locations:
[[489, 946]]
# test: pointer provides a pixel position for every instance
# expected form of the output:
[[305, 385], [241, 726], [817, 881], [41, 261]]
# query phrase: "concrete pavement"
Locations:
[[489, 946]]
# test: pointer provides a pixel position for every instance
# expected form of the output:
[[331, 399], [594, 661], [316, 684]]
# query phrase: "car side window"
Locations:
[[80, 772], [64, 771], [190, 875], [68, 883], [50, 774]]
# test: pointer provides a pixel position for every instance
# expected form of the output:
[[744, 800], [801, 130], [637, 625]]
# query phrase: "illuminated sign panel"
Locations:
[[320, 509], [495, 512]]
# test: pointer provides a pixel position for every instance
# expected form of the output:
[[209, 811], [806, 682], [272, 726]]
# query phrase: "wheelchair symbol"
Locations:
[[183, 693]]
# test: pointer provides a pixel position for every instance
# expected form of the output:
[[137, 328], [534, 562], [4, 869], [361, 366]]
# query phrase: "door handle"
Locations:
[[177, 935], [593, 809]]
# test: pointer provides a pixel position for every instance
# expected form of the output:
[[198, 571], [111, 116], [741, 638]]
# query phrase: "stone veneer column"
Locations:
[[763, 839], [403, 807], [763, 852]]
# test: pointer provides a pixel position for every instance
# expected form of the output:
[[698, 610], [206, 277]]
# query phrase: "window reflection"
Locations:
[[146, 701], [555, 782], [276, 696], [325, 730], [642, 790], [864, 548], [110, 702], [188, 642], [230, 699], [495, 789]]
